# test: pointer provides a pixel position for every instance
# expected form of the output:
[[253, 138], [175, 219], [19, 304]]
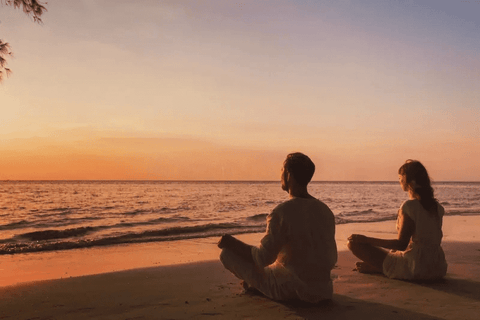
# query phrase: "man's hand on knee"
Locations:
[[225, 241], [238, 247]]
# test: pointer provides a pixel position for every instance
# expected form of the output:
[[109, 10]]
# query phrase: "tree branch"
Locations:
[[31, 8]]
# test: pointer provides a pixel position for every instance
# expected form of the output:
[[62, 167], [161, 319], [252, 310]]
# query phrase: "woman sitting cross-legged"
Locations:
[[417, 253]]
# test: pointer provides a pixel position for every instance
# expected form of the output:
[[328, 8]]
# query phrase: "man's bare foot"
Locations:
[[247, 289], [364, 267]]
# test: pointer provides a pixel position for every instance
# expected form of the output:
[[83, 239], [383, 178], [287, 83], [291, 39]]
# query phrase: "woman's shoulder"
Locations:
[[414, 205], [410, 203], [410, 207]]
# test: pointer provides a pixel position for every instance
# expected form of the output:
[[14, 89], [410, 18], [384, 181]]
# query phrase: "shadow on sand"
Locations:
[[460, 287], [343, 307]]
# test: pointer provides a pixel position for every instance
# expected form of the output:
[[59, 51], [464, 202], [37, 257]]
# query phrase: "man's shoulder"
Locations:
[[295, 203]]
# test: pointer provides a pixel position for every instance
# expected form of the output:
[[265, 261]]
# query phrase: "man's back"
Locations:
[[300, 238]]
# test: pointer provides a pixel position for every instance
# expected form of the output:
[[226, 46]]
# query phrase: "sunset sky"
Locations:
[[207, 90]]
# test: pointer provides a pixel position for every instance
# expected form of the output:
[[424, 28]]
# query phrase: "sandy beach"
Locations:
[[185, 280]]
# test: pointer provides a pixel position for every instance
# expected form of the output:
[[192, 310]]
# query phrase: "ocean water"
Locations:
[[59, 215]]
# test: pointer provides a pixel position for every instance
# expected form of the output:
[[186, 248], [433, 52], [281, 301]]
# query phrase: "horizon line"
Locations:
[[220, 181]]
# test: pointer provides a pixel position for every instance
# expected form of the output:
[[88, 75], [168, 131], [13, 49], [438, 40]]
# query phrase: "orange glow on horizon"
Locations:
[[189, 159]]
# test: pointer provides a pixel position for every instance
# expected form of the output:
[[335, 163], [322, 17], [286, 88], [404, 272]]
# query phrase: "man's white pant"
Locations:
[[274, 281]]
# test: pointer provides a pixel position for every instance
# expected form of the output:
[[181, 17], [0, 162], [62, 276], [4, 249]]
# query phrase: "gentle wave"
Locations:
[[62, 209], [14, 225], [368, 215], [157, 221], [48, 240], [474, 212], [163, 210], [258, 217], [357, 213], [56, 234], [135, 212], [170, 234], [339, 220]]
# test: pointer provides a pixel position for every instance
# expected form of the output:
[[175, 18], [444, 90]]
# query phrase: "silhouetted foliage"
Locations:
[[32, 8]]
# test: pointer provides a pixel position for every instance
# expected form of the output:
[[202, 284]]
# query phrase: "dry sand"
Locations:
[[185, 280]]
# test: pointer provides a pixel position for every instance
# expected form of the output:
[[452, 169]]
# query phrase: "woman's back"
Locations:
[[424, 257], [428, 225]]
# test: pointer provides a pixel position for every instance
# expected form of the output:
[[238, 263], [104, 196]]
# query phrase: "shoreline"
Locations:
[[49, 265], [163, 235], [184, 279]]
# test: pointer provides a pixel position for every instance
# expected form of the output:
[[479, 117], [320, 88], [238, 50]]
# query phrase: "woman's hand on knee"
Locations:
[[357, 238]]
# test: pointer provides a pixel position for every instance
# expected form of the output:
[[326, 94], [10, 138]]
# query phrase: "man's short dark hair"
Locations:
[[300, 167]]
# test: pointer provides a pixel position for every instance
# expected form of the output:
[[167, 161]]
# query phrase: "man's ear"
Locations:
[[289, 177]]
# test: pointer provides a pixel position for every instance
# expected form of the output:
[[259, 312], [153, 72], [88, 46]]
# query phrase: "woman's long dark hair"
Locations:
[[416, 176]]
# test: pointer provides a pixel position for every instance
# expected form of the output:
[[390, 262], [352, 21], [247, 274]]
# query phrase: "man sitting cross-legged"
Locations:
[[298, 251]]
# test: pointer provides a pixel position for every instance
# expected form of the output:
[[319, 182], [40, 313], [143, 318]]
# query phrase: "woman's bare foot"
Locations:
[[364, 267]]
